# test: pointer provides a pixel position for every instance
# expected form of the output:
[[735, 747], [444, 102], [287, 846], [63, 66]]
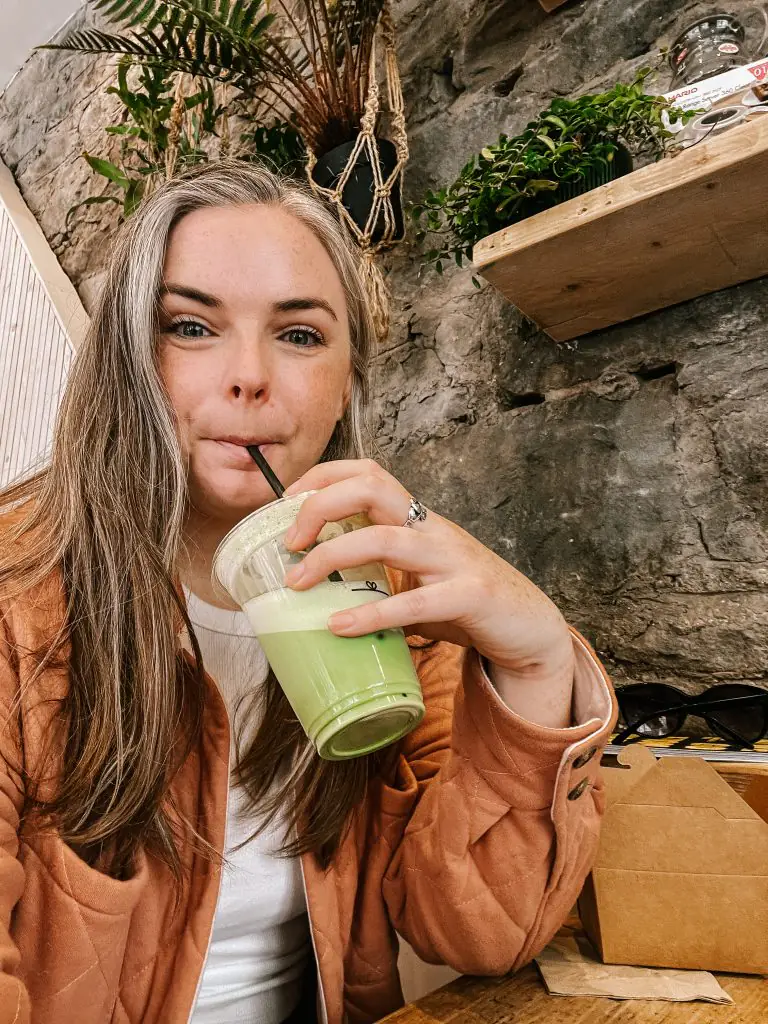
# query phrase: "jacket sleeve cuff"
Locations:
[[590, 699], [514, 745]]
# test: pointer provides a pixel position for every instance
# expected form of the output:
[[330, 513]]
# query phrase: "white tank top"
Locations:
[[260, 946]]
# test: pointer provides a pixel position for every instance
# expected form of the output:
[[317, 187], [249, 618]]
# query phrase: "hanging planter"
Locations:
[[359, 191], [362, 176], [311, 64]]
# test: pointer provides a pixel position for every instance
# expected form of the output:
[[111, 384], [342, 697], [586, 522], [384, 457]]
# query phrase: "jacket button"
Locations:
[[578, 789], [584, 758]]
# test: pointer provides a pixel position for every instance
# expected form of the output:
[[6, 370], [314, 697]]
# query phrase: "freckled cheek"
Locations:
[[318, 421], [183, 387], [319, 401]]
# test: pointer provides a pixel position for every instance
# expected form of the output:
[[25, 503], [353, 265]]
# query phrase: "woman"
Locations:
[[233, 313]]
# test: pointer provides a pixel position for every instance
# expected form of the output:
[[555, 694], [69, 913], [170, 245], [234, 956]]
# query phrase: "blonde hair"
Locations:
[[107, 513]]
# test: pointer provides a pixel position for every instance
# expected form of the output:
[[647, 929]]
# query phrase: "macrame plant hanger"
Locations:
[[179, 113], [381, 206]]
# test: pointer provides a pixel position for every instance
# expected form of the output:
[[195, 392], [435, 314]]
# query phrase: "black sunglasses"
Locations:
[[736, 712]]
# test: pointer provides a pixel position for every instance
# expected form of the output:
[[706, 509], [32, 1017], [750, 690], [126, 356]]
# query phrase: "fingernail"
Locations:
[[290, 536], [342, 621], [294, 574]]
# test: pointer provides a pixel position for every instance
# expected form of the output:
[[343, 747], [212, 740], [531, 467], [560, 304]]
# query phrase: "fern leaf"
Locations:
[[192, 38], [226, 54], [206, 50], [93, 41], [236, 15], [248, 18], [133, 12], [151, 13], [260, 28]]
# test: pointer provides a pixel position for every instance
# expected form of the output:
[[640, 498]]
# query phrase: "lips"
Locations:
[[243, 441], [237, 452]]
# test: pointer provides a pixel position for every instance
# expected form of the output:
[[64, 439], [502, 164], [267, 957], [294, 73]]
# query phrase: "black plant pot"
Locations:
[[358, 193], [597, 176]]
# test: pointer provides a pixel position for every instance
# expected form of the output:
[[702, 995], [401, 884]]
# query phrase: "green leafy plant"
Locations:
[[146, 132], [207, 38], [154, 121], [278, 145], [308, 67], [557, 154]]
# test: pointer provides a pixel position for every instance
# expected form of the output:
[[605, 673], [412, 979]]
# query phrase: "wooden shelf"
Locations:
[[688, 225]]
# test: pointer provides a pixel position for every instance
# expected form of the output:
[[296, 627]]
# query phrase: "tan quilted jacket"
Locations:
[[474, 850]]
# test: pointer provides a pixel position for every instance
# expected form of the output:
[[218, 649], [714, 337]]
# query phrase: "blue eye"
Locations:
[[303, 337], [190, 329]]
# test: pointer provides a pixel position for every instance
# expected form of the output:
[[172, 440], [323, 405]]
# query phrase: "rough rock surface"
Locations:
[[626, 472]]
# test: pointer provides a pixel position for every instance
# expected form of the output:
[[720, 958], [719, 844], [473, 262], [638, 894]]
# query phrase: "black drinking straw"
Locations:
[[277, 487], [266, 469]]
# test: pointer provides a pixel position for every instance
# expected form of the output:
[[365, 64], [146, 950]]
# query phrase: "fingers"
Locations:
[[436, 603], [384, 501], [326, 473], [398, 548]]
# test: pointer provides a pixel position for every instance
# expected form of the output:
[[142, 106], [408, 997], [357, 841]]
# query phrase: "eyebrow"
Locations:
[[288, 305], [191, 293], [285, 306]]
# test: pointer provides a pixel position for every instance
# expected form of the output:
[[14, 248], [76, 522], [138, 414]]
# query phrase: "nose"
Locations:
[[247, 370]]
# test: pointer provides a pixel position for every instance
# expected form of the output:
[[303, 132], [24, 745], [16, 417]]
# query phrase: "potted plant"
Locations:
[[158, 125], [328, 61], [571, 147], [310, 63]]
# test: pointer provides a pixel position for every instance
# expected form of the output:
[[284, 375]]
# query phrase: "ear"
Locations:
[[347, 393]]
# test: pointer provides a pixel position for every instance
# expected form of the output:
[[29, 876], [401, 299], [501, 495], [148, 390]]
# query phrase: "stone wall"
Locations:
[[625, 472]]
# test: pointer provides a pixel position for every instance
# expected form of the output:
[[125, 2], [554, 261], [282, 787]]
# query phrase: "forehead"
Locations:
[[251, 253]]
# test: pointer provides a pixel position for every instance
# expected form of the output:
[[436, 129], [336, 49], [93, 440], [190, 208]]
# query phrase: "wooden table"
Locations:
[[522, 999]]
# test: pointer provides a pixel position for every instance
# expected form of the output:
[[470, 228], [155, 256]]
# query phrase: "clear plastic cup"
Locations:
[[352, 695]]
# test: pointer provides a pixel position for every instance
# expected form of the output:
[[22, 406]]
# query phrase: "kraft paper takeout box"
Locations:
[[681, 876]]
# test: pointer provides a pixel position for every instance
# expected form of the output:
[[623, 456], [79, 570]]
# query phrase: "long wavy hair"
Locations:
[[107, 511]]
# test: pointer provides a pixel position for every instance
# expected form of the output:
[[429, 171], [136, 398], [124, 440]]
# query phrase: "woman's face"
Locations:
[[254, 349]]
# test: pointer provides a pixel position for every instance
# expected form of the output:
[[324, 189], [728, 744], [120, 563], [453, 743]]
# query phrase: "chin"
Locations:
[[227, 496]]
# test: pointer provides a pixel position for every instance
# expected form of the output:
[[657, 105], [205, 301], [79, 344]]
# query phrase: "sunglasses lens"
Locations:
[[636, 703], [747, 720]]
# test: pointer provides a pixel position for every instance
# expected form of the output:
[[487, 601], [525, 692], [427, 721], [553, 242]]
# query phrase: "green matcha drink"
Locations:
[[365, 684], [352, 695]]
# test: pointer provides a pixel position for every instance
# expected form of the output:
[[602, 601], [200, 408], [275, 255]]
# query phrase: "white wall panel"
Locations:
[[41, 321]]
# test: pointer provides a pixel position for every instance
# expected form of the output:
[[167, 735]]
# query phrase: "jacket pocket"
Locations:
[[72, 926], [87, 886]]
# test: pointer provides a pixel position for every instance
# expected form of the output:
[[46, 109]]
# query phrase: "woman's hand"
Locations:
[[464, 593]]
